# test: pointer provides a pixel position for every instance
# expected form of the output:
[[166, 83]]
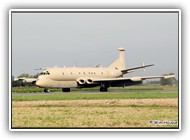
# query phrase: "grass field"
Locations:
[[119, 108], [93, 96]]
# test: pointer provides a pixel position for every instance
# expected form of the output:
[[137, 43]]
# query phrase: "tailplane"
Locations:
[[120, 62]]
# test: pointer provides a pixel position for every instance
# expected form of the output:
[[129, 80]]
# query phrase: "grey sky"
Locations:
[[87, 39]]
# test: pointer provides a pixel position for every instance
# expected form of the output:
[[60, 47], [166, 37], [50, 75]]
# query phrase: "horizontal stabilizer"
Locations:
[[131, 69]]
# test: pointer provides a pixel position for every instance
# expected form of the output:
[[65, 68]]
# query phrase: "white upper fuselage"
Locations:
[[69, 74]]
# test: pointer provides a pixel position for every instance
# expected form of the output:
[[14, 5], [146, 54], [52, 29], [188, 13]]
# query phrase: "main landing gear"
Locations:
[[103, 89], [66, 89]]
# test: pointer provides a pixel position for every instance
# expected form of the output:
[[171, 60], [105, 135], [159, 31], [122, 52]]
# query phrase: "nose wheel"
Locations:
[[46, 90]]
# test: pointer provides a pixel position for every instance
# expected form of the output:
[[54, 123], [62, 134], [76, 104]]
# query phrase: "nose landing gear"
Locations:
[[46, 90]]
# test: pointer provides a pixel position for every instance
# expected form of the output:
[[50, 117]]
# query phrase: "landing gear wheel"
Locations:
[[46, 90], [103, 89], [66, 89]]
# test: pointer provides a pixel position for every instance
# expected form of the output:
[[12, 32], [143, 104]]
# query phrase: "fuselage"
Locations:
[[74, 77]]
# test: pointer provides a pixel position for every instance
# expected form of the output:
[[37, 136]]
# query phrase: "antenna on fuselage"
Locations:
[[99, 66], [142, 64], [41, 69]]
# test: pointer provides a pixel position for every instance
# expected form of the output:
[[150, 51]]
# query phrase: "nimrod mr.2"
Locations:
[[112, 76]]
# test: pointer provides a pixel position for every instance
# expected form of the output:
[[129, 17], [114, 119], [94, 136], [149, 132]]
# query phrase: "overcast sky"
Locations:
[[87, 39]]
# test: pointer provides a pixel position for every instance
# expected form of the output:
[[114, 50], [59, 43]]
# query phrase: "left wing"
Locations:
[[27, 80]]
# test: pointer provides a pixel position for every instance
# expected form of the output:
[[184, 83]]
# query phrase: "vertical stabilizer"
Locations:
[[120, 62]]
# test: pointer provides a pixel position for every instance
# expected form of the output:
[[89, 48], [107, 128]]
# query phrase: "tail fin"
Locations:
[[120, 62]]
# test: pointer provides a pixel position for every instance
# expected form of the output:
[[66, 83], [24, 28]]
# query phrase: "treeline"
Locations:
[[26, 75]]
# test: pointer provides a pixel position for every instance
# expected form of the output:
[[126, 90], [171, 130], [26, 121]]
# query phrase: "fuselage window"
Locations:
[[102, 72], [91, 72], [79, 72], [63, 73], [94, 73], [71, 73]]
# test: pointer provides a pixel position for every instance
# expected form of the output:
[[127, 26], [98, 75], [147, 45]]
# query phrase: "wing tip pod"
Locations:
[[169, 76]]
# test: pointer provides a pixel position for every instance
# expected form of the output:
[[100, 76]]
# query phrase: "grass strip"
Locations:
[[94, 96]]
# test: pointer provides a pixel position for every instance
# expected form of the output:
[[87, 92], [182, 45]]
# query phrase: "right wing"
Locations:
[[153, 77], [134, 79]]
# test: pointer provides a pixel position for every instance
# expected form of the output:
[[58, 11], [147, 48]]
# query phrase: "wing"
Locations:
[[31, 80], [27, 80], [131, 69], [19, 79], [134, 79], [154, 77]]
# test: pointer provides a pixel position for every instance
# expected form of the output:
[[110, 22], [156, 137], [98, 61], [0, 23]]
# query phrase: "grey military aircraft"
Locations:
[[104, 77]]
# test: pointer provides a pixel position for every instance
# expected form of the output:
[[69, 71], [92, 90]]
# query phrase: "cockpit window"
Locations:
[[45, 73], [41, 73]]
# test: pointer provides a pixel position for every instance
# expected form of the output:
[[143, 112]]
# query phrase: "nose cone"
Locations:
[[39, 83], [42, 81]]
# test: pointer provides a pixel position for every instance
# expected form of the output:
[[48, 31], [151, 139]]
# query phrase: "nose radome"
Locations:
[[38, 83]]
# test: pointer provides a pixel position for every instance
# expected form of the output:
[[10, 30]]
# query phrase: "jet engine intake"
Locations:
[[81, 81], [89, 81]]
